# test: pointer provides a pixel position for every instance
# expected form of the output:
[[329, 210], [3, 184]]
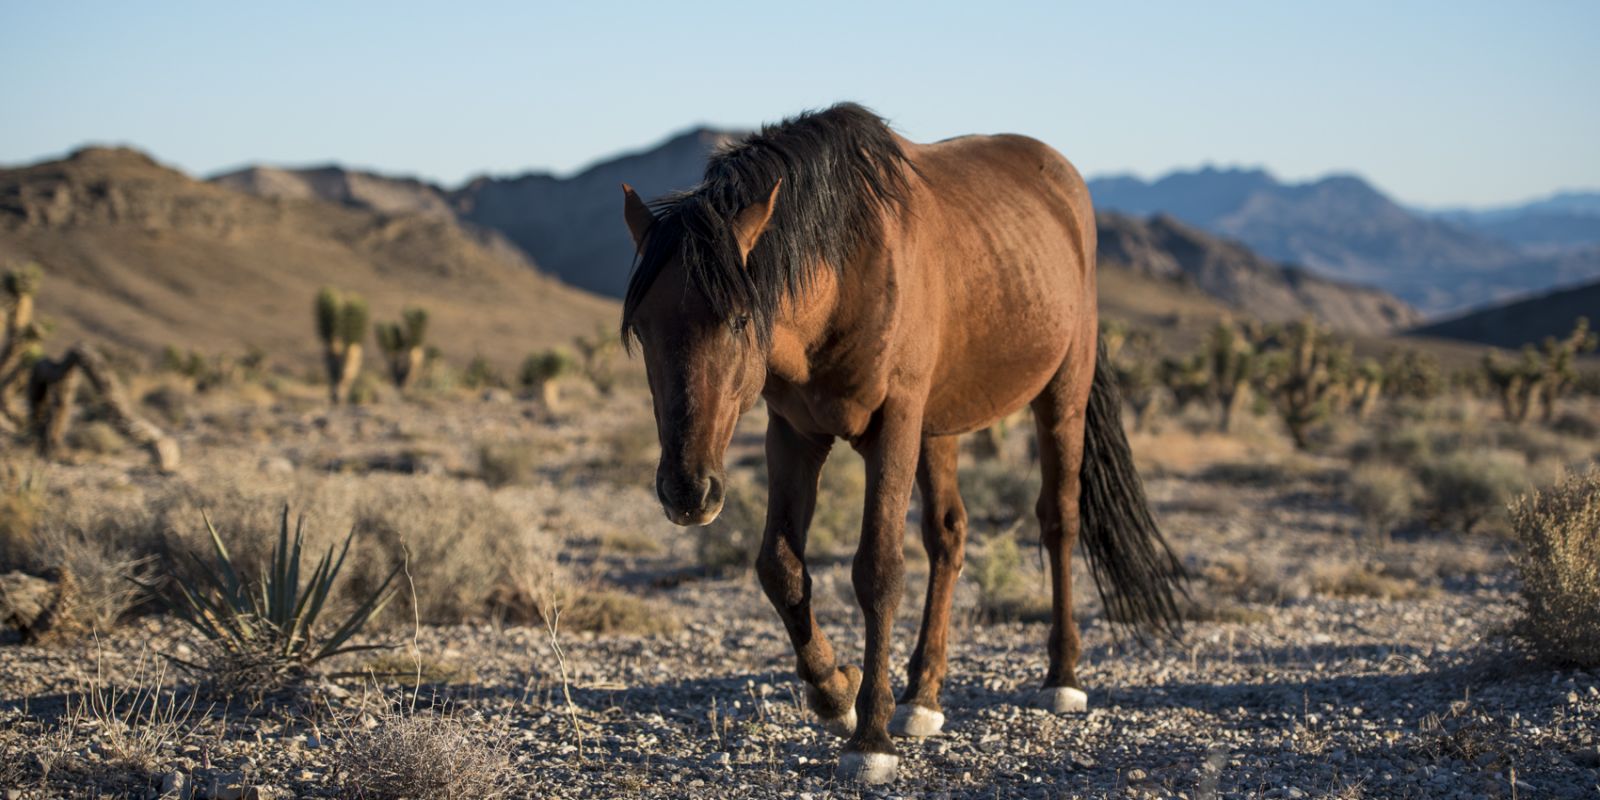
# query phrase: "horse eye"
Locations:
[[738, 323]]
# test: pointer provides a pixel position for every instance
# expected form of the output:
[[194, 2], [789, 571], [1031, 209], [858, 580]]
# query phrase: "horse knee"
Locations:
[[782, 575]]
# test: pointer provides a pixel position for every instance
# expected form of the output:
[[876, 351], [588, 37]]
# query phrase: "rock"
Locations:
[[40, 607], [176, 786]]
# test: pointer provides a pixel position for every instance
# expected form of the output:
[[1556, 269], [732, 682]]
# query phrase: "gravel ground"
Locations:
[[1325, 698]]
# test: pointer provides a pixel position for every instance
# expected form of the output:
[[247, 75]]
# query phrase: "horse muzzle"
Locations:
[[690, 499]]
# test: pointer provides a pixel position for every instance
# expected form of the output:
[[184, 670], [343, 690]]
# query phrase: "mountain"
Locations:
[[1341, 227], [573, 226], [356, 189], [1162, 247], [142, 256], [1563, 222], [1524, 321]]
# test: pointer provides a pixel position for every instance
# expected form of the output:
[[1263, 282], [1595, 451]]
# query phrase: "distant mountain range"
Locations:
[[141, 256], [1563, 222], [572, 227], [1341, 227]]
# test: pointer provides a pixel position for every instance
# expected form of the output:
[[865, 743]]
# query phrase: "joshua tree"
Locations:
[[1558, 371], [1304, 377], [596, 352], [1231, 360], [404, 346], [1514, 382], [1188, 379], [22, 336], [52, 383], [342, 326], [1132, 358], [541, 373], [1366, 386]]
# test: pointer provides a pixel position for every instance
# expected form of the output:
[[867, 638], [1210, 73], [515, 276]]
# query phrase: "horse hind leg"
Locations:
[[1059, 412], [944, 533]]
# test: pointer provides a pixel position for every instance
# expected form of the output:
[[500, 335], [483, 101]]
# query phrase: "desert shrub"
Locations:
[[508, 463], [96, 436], [841, 497], [22, 498], [1559, 529], [424, 755], [610, 611], [1006, 591], [1466, 489], [1582, 426], [1384, 495], [172, 402], [998, 494], [481, 374], [1358, 579]]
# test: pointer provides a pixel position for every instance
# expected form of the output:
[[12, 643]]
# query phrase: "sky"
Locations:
[[1440, 104]]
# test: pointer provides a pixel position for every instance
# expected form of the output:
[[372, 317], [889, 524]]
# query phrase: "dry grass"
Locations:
[[431, 755], [1007, 589], [1384, 495], [1360, 579], [1560, 567]]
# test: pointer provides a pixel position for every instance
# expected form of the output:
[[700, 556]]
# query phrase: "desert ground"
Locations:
[[554, 636]]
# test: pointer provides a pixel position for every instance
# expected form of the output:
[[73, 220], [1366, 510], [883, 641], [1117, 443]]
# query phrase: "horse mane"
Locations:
[[841, 169]]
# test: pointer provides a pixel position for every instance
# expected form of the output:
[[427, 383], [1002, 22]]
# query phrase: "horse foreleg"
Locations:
[[944, 534], [890, 447], [794, 465]]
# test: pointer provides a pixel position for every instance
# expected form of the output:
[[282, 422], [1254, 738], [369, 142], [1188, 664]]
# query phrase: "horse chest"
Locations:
[[821, 412]]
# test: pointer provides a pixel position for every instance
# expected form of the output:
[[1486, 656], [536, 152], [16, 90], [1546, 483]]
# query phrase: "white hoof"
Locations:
[[1061, 700], [911, 719], [841, 726], [867, 767]]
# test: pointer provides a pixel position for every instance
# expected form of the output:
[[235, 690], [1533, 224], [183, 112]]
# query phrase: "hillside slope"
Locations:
[[1523, 321], [142, 256], [1162, 247]]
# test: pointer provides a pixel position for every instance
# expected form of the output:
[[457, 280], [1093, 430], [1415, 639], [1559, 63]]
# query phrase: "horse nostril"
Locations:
[[711, 497]]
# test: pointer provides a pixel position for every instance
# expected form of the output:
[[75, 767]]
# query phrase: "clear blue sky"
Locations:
[[1439, 103]]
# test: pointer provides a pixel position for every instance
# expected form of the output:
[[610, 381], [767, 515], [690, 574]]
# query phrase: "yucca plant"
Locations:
[[266, 633]]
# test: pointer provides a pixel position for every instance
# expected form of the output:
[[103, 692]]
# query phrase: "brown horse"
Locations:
[[894, 295]]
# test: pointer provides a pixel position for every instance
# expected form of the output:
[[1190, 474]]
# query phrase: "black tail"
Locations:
[[1135, 571]]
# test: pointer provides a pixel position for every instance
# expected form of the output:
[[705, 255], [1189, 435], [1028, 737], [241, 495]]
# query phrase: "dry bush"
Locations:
[[997, 493], [1465, 490], [612, 611], [429, 755], [1359, 579], [1007, 591], [1384, 495], [22, 498], [97, 437], [509, 463], [1559, 529], [1574, 424], [731, 542]]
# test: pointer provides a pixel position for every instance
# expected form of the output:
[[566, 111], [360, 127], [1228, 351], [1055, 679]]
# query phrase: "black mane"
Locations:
[[841, 170]]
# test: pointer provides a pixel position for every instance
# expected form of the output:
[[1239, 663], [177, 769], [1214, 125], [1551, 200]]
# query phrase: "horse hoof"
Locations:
[[841, 726], [867, 767], [1061, 700], [911, 719]]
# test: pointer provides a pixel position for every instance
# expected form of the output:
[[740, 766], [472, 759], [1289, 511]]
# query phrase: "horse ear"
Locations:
[[638, 215], [752, 220]]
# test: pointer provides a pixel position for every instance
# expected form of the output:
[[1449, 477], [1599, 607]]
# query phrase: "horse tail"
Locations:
[[1135, 571]]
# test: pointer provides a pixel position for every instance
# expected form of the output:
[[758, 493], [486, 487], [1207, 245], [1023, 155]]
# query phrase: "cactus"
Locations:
[[541, 373], [595, 353], [1232, 362], [342, 326], [21, 336], [1557, 370], [404, 346], [1304, 377], [1187, 379], [1366, 386]]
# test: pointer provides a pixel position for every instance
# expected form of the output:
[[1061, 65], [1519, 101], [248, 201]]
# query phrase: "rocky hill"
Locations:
[[364, 190], [1524, 321], [1342, 227], [142, 256], [1164, 248], [573, 226]]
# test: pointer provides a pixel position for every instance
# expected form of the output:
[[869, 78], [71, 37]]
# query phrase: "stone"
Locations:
[[176, 786]]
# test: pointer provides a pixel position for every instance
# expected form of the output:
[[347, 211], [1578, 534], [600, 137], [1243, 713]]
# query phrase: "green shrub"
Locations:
[[1006, 592], [998, 494], [1385, 496], [1559, 530]]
